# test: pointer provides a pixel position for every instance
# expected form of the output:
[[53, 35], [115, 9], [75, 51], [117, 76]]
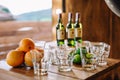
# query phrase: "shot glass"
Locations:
[[40, 61], [65, 58], [88, 58]]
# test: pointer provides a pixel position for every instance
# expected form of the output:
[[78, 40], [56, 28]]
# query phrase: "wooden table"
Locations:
[[109, 72]]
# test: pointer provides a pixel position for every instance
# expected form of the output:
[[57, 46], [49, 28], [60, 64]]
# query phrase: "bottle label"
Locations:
[[71, 33], [60, 34], [78, 32]]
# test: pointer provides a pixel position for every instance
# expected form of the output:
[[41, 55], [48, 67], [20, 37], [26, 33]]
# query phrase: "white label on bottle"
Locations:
[[71, 33], [60, 34], [78, 32]]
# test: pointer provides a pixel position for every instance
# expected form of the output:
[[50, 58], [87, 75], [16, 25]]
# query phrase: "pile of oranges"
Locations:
[[21, 54]]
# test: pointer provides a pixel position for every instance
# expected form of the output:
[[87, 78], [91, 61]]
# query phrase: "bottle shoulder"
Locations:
[[78, 25], [60, 25], [70, 25]]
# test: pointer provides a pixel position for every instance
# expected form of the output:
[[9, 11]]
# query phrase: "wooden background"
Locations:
[[10, 31], [99, 23]]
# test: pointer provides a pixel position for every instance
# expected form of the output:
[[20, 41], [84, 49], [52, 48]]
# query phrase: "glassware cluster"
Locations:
[[92, 55]]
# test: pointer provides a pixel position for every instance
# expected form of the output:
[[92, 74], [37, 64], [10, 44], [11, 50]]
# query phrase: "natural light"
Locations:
[[17, 7]]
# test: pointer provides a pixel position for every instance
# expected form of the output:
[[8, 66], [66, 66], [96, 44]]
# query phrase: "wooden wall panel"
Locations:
[[56, 4], [94, 17], [115, 36], [99, 23]]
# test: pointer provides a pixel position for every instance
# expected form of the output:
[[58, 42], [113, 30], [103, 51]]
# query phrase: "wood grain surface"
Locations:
[[21, 73]]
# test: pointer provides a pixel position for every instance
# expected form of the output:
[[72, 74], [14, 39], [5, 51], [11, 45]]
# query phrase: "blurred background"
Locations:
[[17, 10], [37, 19], [28, 18]]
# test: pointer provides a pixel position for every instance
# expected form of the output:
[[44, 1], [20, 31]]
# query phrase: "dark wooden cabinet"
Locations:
[[99, 23]]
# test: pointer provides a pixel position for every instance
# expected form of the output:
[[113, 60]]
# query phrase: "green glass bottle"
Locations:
[[70, 31], [78, 29], [60, 31]]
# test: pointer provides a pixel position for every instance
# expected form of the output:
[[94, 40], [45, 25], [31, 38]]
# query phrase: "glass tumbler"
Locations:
[[88, 58], [65, 58], [98, 50], [53, 54], [40, 61], [105, 55]]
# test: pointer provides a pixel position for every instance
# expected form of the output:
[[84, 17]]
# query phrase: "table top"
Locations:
[[21, 73]]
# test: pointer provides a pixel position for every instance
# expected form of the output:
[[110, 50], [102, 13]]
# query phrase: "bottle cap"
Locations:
[[59, 15]]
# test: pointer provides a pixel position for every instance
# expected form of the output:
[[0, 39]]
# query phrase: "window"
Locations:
[[25, 18], [26, 10]]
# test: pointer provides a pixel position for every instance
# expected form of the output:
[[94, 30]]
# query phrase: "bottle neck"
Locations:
[[77, 18], [60, 18], [70, 21], [70, 18]]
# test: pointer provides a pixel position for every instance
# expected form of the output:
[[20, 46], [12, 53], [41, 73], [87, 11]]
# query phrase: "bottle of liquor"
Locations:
[[60, 31], [78, 29], [70, 31]]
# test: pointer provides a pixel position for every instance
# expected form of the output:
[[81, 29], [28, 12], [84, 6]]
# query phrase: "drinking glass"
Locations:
[[86, 44], [65, 58], [40, 59], [88, 58], [53, 55], [98, 50], [104, 57]]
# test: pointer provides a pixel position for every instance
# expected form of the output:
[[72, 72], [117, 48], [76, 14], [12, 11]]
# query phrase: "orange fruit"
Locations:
[[17, 48], [41, 52], [28, 56], [26, 45], [28, 59], [15, 58]]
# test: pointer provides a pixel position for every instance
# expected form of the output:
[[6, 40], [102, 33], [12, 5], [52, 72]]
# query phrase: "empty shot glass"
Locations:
[[40, 61]]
